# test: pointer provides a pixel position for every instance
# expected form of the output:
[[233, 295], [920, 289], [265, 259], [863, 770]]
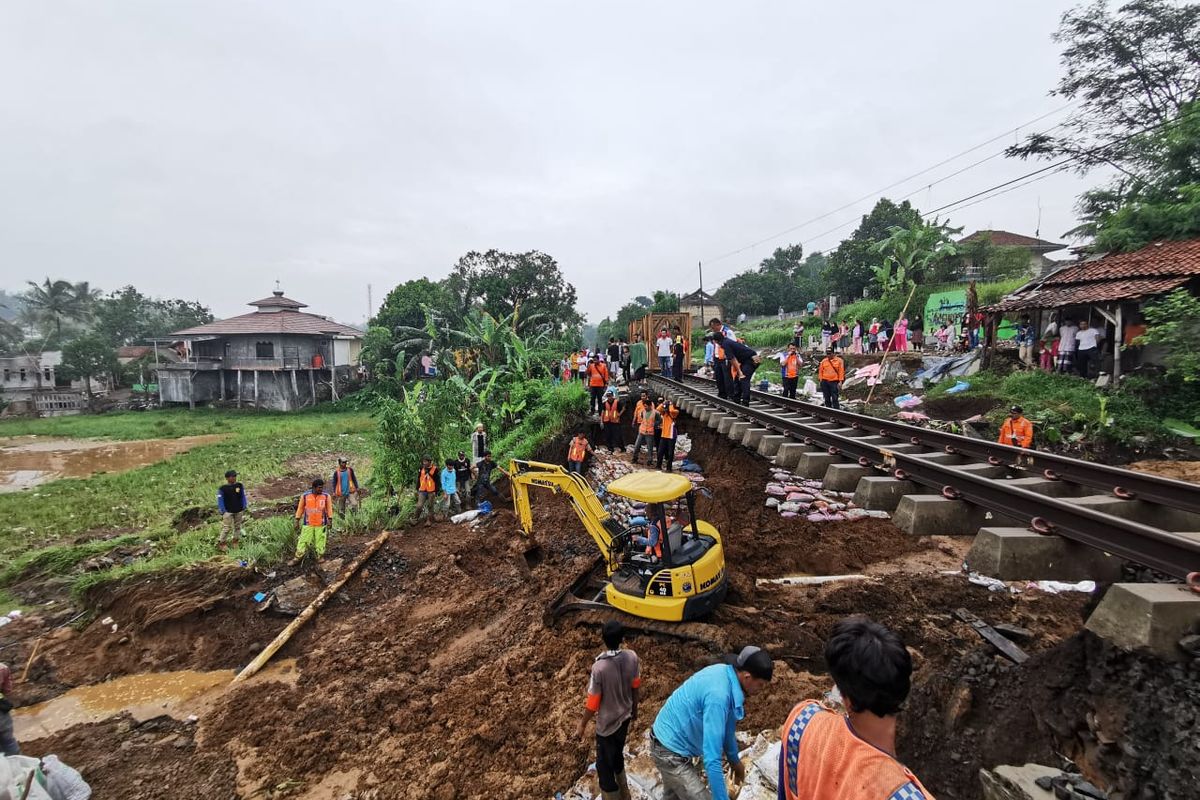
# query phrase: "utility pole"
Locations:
[[370, 305], [700, 269]]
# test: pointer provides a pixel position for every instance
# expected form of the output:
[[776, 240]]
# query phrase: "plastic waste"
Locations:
[[907, 401], [960, 386], [64, 782], [1056, 587], [485, 507], [466, 516]]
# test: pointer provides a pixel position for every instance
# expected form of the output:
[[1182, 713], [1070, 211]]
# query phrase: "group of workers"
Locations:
[[449, 490], [824, 754], [654, 425]]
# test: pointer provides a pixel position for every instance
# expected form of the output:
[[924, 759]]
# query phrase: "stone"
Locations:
[[1146, 616], [1018, 554], [1190, 644], [1014, 632], [1010, 782]]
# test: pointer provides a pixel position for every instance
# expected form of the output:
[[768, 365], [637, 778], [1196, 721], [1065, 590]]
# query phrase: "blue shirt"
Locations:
[[449, 480], [710, 350], [345, 480], [699, 720]]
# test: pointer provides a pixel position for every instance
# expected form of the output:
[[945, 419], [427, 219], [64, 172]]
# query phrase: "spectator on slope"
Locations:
[[232, 504]]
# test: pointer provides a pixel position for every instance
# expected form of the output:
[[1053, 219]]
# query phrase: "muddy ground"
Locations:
[[432, 673]]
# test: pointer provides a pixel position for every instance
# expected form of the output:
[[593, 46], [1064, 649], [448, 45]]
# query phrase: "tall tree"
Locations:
[[529, 285], [908, 253], [87, 357], [850, 267], [51, 303], [127, 316]]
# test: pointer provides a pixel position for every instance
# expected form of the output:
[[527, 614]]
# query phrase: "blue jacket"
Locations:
[[449, 480], [699, 720]]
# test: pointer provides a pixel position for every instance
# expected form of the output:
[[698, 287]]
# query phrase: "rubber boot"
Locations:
[[623, 787]]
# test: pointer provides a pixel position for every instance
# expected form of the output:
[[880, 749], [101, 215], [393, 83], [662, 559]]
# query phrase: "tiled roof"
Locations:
[[695, 297], [295, 322], [1153, 270], [134, 351], [277, 300], [1008, 239]]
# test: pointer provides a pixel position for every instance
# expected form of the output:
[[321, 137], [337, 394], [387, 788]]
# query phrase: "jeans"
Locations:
[[664, 366], [681, 776], [830, 390], [648, 440], [789, 387], [741, 390], [575, 466], [666, 450], [8, 742]]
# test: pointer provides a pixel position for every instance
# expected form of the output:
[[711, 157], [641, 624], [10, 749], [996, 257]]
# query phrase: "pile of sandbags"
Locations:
[[792, 496]]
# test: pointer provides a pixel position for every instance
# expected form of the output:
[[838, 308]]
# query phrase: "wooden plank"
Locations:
[[993, 637]]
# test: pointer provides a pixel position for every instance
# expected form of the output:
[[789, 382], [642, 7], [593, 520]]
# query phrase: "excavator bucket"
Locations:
[[586, 591]]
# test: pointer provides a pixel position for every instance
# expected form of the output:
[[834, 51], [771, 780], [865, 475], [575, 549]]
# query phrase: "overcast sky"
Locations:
[[203, 149]]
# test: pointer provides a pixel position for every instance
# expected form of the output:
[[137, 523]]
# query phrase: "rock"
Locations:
[[1010, 782], [772, 502], [1045, 782], [295, 595], [1190, 644]]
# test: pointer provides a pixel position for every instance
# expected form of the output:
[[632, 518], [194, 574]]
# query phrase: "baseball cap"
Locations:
[[753, 660]]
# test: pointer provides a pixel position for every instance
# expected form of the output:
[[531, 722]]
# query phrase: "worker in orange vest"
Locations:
[[427, 490], [577, 451], [644, 416], [831, 373], [653, 539], [1016, 430], [597, 375], [316, 511], [830, 756], [789, 366], [610, 420], [668, 412]]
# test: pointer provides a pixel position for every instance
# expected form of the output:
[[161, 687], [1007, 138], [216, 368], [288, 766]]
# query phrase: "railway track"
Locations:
[[869, 441]]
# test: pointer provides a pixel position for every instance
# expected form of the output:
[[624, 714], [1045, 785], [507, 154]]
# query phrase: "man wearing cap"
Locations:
[[612, 698], [232, 504], [825, 755], [699, 720], [345, 486], [1016, 430]]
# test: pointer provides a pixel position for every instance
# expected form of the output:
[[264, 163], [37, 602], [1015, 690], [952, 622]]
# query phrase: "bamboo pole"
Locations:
[[262, 658], [886, 353], [29, 663]]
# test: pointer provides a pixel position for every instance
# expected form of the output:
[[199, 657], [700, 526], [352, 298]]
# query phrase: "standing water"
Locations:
[[27, 461]]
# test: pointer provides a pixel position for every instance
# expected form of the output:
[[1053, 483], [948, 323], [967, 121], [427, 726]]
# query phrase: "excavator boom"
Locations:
[[591, 512]]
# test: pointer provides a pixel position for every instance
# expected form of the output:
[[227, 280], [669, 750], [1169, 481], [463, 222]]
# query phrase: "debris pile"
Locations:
[[792, 495], [607, 466]]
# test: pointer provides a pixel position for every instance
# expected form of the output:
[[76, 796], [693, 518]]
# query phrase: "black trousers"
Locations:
[[610, 757], [1083, 361], [640, 375], [721, 375], [666, 450], [677, 369], [741, 390], [830, 389], [481, 486], [597, 393], [613, 435], [789, 387]]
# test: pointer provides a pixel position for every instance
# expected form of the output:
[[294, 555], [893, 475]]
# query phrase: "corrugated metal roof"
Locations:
[[294, 322], [1047, 296]]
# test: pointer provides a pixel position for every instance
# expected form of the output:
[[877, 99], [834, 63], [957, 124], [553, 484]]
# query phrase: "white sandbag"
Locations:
[[64, 782], [465, 516]]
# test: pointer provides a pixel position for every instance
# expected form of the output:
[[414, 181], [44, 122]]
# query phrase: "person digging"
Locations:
[[314, 518]]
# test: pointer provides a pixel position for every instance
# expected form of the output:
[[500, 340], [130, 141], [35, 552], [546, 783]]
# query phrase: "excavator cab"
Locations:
[[672, 568]]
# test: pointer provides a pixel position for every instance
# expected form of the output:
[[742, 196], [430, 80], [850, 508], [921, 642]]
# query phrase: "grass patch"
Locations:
[[57, 519], [554, 410]]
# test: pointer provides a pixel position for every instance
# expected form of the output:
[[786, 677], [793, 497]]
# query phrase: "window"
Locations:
[[7, 375], [46, 373], [264, 349], [22, 375]]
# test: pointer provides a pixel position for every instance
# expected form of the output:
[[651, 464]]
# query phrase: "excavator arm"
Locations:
[[596, 520]]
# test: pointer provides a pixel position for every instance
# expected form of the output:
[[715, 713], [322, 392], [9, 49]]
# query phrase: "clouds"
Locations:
[[203, 149]]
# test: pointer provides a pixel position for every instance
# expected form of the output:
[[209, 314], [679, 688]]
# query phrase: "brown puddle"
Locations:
[[145, 696], [28, 461]]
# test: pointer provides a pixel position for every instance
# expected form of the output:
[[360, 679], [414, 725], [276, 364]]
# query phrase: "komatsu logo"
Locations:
[[715, 579]]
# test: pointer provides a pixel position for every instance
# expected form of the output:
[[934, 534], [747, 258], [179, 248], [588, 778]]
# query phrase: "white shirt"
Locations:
[[664, 346], [1087, 340], [1066, 338]]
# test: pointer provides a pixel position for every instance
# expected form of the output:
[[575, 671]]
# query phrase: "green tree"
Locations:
[[784, 278], [87, 357], [665, 301], [528, 285], [51, 303], [909, 252], [850, 267], [990, 262], [127, 316], [404, 307], [1174, 323]]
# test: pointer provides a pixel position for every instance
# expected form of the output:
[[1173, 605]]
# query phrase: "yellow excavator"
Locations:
[[673, 578]]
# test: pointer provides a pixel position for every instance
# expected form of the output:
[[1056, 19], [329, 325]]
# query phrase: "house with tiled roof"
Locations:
[[1110, 290], [1039, 263], [277, 357]]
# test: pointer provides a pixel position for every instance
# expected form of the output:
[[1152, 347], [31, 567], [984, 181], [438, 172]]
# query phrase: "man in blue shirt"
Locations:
[[699, 720], [450, 489]]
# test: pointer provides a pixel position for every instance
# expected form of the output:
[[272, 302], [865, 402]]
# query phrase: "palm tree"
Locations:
[[51, 302]]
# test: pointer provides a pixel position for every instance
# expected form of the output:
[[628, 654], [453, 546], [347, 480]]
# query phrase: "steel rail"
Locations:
[[1167, 551], [1123, 483]]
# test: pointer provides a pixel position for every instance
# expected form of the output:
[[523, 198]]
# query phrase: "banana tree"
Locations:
[[908, 252]]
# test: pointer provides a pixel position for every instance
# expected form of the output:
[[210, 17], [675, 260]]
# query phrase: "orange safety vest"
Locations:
[[426, 481], [337, 482], [823, 759], [578, 449], [611, 412], [735, 369], [646, 420], [1021, 428], [719, 352], [831, 369], [791, 364], [597, 374], [314, 509], [668, 420]]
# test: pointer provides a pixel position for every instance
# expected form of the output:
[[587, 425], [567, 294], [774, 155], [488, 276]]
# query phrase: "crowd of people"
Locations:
[[825, 754]]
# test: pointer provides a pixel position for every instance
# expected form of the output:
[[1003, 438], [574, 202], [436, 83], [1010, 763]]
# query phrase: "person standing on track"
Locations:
[[597, 374], [664, 346], [668, 412], [789, 363], [699, 721], [743, 361], [828, 756], [678, 358], [831, 373], [316, 511], [577, 451], [610, 420], [720, 363], [612, 698]]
